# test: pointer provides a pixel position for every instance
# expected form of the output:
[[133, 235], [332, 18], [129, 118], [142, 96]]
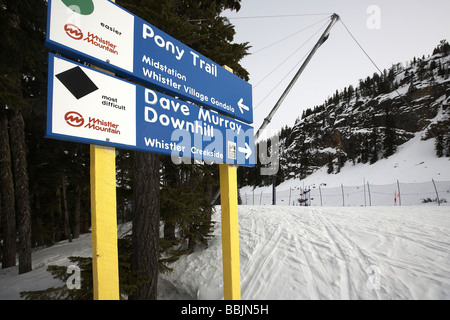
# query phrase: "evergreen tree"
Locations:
[[8, 215], [389, 137], [22, 29], [374, 146], [129, 279], [439, 146]]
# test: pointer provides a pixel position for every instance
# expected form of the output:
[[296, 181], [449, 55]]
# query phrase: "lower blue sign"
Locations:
[[88, 106]]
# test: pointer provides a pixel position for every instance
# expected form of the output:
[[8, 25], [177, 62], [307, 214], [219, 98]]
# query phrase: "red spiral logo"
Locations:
[[73, 31], [74, 119]]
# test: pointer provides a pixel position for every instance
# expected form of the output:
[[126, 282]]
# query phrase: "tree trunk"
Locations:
[[8, 215], [65, 209], [77, 213], [18, 152], [172, 178], [146, 223], [56, 218]]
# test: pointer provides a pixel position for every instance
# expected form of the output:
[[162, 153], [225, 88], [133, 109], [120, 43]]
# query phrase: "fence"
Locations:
[[394, 194]]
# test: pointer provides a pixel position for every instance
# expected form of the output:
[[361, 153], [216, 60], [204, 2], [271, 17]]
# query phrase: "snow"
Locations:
[[291, 253]]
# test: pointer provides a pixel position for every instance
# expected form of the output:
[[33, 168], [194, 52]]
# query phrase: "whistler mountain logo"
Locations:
[[74, 119], [73, 31], [83, 7]]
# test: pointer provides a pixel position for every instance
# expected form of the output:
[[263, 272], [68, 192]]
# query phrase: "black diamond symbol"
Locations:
[[77, 82]]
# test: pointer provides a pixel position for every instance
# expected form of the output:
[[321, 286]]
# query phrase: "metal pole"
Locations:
[[253, 194], [370, 198], [323, 38], [437, 194], [399, 195], [364, 186], [274, 190], [342, 188], [320, 192]]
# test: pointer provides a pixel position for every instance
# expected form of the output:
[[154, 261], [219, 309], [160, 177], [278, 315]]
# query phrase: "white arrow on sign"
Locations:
[[246, 150], [241, 105]]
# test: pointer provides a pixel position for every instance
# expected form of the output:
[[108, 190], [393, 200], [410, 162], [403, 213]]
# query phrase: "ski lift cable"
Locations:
[[398, 93], [282, 16], [371, 60], [290, 36], [279, 83], [266, 17], [284, 61]]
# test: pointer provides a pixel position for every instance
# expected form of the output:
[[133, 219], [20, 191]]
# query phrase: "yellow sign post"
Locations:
[[230, 230], [105, 261]]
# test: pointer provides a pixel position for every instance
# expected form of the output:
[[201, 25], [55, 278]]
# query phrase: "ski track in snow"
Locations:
[[333, 253], [289, 253]]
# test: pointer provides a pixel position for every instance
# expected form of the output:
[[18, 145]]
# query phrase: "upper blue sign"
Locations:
[[104, 34]]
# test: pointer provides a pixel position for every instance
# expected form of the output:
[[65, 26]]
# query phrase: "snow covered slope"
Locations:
[[414, 162], [299, 253], [329, 253]]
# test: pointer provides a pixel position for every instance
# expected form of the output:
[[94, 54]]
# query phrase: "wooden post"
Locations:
[[230, 232], [105, 262]]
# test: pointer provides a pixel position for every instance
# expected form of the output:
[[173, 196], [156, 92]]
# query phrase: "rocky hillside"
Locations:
[[368, 122]]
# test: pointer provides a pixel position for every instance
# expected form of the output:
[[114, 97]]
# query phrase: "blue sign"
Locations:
[[88, 106], [110, 37]]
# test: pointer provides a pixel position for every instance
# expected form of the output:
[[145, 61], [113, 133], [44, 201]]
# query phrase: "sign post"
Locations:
[[230, 230], [104, 223], [105, 255]]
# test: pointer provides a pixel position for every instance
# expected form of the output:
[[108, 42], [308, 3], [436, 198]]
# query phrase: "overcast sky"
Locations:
[[390, 32]]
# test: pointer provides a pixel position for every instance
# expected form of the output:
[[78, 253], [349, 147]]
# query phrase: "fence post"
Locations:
[[274, 190], [320, 195], [253, 194], [399, 195], [368, 190], [290, 190], [437, 194], [364, 186], [343, 201]]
